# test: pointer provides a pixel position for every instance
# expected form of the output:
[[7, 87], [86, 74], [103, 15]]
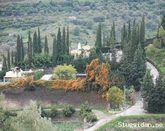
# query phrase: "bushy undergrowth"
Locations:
[[87, 114], [68, 111]]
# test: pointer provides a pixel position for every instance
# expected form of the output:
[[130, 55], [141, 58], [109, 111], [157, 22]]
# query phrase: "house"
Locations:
[[15, 73], [81, 50], [107, 53]]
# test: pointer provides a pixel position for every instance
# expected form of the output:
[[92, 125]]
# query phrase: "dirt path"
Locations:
[[153, 71], [137, 109]]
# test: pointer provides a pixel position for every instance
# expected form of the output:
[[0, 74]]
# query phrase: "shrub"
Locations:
[[45, 113], [64, 72], [68, 111], [2, 74], [84, 110], [90, 117], [38, 75], [115, 97], [54, 112], [30, 119]]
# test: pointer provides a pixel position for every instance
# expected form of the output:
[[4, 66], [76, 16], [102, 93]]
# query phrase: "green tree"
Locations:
[[113, 35], [30, 52], [12, 57], [22, 50], [123, 35], [41, 61], [4, 65], [156, 97], [46, 48], [8, 60], [142, 34], [64, 72], [55, 52], [80, 64], [98, 43], [64, 41], [129, 32], [35, 43], [39, 42], [147, 85], [138, 68], [126, 63], [18, 50], [163, 22], [142, 30], [134, 43], [59, 47], [67, 41], [115, 97]]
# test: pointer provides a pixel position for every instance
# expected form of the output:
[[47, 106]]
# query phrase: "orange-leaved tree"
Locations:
[[97, 74]]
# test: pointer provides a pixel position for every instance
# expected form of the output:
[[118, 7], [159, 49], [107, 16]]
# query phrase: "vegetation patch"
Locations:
[[125, 123]]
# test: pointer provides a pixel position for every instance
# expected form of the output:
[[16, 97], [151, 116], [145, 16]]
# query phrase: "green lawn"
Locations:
[[125, 123], [69, 126]]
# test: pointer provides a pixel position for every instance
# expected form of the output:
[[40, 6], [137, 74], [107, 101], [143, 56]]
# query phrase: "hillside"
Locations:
[[82, 16]]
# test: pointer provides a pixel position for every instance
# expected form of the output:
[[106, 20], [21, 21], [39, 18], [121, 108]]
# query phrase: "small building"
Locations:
[[15, 73], [81, 50]]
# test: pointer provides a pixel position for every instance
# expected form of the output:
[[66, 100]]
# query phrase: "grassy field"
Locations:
[[138, 123], [69, 126]]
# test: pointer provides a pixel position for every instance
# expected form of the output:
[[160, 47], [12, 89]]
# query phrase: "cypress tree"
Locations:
[[59, 43], [126, 61], [98, 43], [8, 60], [137, 40], [55, 52], [12, 57], [67, 42], [59, 47], [156, 97], [147, 85], [123, 35], [142, 34], [163, 22], [129, 31], [4, 65], [22, 50], [46, 48], [64, 41], [114, 31], [138, 67], [39, 42], [18, 50], [35, 43], [142, 31], [30, 53], [113, 36], [133, 39]]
